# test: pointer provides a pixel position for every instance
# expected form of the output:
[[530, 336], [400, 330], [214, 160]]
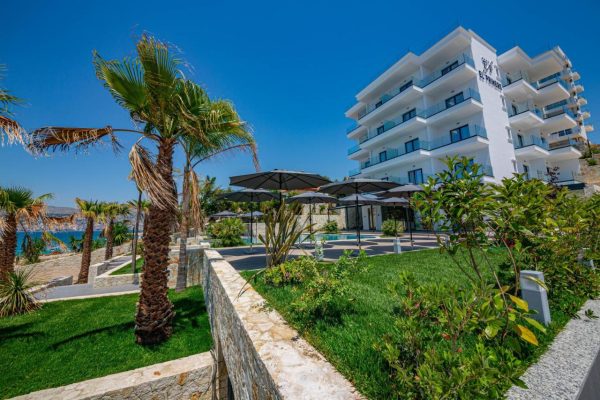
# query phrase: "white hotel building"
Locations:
[[509, 112]]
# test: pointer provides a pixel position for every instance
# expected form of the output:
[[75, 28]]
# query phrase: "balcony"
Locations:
[[566, 150], [462, 104], [391, 128], [473, 138], [454, 73], [354, 172], [357, 152], [531, 148], [525, 115], [519, 87], [354, 131], [558, 119]]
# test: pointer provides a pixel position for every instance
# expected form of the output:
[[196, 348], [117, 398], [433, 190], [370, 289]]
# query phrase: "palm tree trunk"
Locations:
[[86, 254], [136, 232], [108, 252], [154, 310], [9, 239], [183, 232]]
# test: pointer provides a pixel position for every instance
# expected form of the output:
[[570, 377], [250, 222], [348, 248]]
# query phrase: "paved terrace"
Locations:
[[240, 258]]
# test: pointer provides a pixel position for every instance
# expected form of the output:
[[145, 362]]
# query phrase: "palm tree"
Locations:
[[150, 88], [109, 212], [141, 206], [90, 210], [8, 126], [224, 131], [20, 207]]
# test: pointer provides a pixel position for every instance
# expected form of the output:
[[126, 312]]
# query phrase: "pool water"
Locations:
[[320, 236]]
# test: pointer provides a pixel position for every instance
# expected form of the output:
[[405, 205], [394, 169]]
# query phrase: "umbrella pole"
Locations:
[[310, 221], [357, 227], [409, 227]]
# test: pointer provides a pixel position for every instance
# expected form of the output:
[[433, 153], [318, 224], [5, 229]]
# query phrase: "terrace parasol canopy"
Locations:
[[251, 196], [357, 186], [224, 214], [279, 179], [311, 198]]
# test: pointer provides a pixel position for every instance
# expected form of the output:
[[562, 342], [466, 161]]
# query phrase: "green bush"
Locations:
[[392, 227], [291, 272], [330, 227], [15, 293], [227, 232], [592, 161], [32, 248]]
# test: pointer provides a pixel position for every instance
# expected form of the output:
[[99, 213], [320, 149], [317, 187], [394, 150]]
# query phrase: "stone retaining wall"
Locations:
[[194, 260], [185, 378], [259, 355], [570, 368], [69, 264]]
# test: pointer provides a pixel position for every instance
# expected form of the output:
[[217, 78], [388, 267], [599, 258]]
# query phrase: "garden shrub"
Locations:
[[291, 272], [326, 293], [15, 293], [227, 232], [330, 227], [392, 227]]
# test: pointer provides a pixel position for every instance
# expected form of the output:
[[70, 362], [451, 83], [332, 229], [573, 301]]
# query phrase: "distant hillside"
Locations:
[[60, 211]]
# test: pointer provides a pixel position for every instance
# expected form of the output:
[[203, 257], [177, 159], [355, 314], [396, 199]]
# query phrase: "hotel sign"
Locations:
[[487, 73]]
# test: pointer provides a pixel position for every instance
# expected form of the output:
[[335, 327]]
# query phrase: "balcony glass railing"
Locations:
[[509, 79], [520, 108], [558, 111], [411, 147], [353, 149], [451, 102], [392, 123], [414, 81], [530, 141], [352, 128], [354, 172], [557, 104], [563, 144], [450, 66]]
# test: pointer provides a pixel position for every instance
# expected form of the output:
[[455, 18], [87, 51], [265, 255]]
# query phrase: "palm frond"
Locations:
[[12, 130], [64, 138], [145, 173]]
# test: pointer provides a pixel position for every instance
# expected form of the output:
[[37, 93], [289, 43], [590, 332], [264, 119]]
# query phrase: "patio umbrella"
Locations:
[[252, 196], [252, 214], [311, 198], [357, 186], [279, 179], [395, 202], [224, 214]]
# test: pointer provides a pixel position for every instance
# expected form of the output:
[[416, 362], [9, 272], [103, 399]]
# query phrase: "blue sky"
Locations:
[[291, 67]]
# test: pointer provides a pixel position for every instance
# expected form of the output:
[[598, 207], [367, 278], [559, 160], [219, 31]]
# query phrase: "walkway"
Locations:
[[241, 259], [87, 289]]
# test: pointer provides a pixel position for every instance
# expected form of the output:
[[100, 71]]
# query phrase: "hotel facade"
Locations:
[[510, 113]]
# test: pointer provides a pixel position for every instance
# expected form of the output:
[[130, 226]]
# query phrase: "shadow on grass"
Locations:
[[18, 332], [113, 329]]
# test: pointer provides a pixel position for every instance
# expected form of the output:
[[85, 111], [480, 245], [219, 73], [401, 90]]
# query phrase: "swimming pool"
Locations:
[[328, 237]]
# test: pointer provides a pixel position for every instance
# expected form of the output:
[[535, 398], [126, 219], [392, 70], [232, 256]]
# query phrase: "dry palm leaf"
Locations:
[[54, 138], [147, 176], [12, 130]]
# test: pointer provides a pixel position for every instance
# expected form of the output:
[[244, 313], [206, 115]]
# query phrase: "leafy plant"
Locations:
[[228, 231], [291, 272], [392, 227], [121, 233], [330, 227], [282, 231], [15, 293], [592, 161], [32, 248]]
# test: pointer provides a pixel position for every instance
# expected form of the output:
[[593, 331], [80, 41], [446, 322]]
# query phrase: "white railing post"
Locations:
[[535, 295]]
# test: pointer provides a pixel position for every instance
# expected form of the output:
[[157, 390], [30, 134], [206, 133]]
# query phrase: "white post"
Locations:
[[535, 295], [397, 246]]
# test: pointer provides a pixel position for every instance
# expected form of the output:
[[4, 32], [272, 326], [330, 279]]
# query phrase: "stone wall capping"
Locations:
[[184, 378], [570, 368], [262, 356]]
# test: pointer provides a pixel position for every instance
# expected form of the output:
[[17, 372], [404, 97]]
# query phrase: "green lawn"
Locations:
[[70, 341], [126, 269], [349, 344]]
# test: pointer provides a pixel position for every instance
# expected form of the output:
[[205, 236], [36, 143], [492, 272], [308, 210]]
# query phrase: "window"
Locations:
[[449, 68], [458, 168], [405, 86], [409, 115], [412, 145], [520, 140], [514, 109], [379, 104], [383, 156], [415, 176], [380, 129], [460, 133], [454, 100], [526, 171]]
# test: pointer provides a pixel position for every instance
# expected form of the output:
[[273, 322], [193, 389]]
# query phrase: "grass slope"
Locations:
[[75, 340], [349, 345], [126, 269]]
